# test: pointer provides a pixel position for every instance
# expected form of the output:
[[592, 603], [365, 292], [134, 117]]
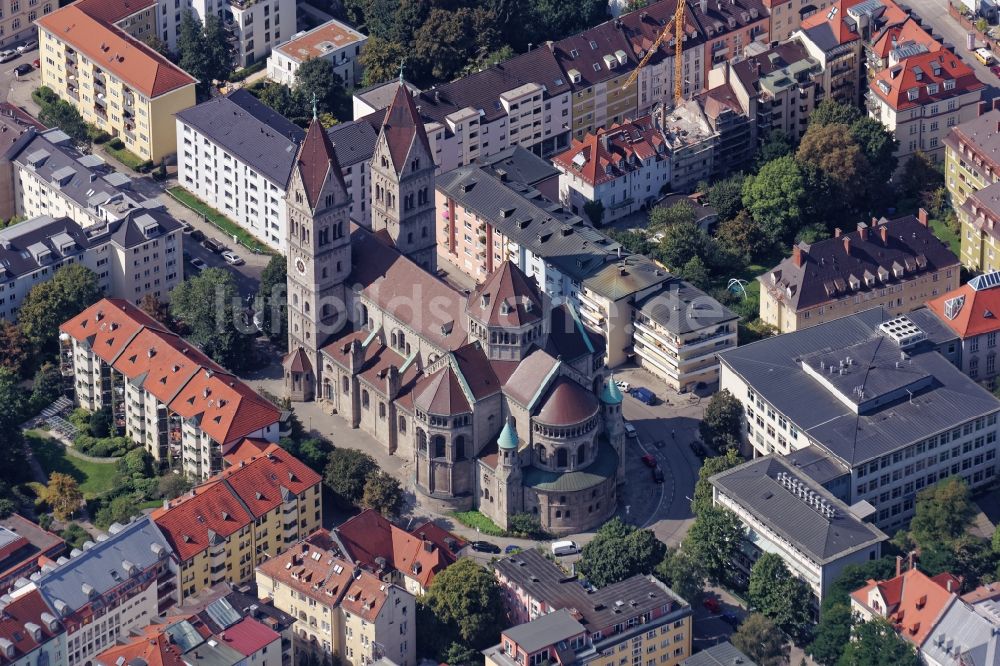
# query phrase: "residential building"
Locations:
[[578, 265], [832, 38], [720, 654], [236, 155], [51, 177], [254, 26], [237, 519], [30, 633], [408, 559], [624, 168], [786, 512], [736, 129], [15, 124], [333, 41], [182, 640], [17, 23], [977, 217], [24, 548], [971, 160], [691, 144], [344, 611], [786, 16], [164, 393], [921, 98], [895, 43], [897, 265], [137, 18], [730, 27], [115, 81], [781, 86], [878, 413], [556, 612], [132, 257], [112, 586], [967, 314]]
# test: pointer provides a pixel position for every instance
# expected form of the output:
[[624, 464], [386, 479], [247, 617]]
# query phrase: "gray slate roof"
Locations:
[[546, 630], [755, 487], [256, 135], [354, 141], [682, 308], [773, 368], [520, 165], [720, 654], [101, 566], [961, 631]]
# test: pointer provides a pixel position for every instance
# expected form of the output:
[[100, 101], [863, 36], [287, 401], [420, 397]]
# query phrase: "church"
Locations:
[[498, 397]]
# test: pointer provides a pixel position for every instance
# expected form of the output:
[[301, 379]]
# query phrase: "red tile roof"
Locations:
[[112, 11], [611, 153], [506, 298], [108, 326], [403, 128], [917, 73], [232, 499], [227, 409], [248, 636], [914, 601], [898, 35], [312, 567], [977, 311], [318, 160], [245, 450], [441, 394], [25, 609], [153, 646], [115, 51]]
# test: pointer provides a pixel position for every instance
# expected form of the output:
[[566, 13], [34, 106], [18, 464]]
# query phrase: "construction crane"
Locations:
[[678, 25]]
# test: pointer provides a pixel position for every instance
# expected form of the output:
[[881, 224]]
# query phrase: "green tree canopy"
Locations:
[[776, 198], [210, 306], [383, 493], [833, 151], [681, 212], [466, 608], [381, 59], [831, 635], [876, 643], [942, 512], [15, 349], [64, 115], [46, 387], [619, 551], [271, 300], [713, 540], [316, 76], [776, 145], [683, 241], [722, 424], [703, 489], [695, 272], [72, 289], [726, 196], [777, 594], [743, 237], [832, 112], [758, 638], [347, 472], [204, 51], [879, 146], [682, 573]]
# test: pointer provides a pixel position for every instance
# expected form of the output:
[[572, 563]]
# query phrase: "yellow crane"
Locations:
[[678, 26]]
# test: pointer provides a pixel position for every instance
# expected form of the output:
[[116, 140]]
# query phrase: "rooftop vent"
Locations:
[[903, 332]]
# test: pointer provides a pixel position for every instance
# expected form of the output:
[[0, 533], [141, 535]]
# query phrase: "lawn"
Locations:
[[126, 157], [94, 478], [218, 219], [477, 520], [946, 234]]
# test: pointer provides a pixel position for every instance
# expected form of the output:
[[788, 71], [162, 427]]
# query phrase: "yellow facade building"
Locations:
[[118, 84], [252, 511]]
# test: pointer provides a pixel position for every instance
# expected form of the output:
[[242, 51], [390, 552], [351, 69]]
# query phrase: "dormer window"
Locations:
[[485, 300]]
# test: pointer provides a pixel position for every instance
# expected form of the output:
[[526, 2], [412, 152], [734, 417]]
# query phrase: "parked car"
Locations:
[[7, 55], [698, 449], [649, 461], [630, 431], [36, 63], [644, 395], [622, 385], [232, 258], [658, 475], [567, 547], [485, 547], [198, 264], [213, 245], [712, 604], [29, 45], [22, 69], [197, 235], [730, 618], [511, 549], [186, 228]]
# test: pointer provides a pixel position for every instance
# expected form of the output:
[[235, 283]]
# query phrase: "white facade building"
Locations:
[[333, 41]]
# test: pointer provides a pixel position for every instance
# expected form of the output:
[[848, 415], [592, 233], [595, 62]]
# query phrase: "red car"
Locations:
[[649, 460], [712, 604], [36, 64]]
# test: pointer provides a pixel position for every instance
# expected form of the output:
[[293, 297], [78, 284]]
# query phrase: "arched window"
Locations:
[[346, 383], [421, 440], [306, 305], [439, 446], [364, 398], [540, 453], [381, 410], [460, 447], [581, 454], [402, 425], [562, 457]]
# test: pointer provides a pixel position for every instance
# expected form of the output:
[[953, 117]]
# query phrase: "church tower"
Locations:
[[319, 259], [402, 182]]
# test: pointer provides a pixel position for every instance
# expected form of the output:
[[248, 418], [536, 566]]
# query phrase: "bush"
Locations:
[[525, 526], [44, 96], [98, 136], [116, 143], [242, 74]]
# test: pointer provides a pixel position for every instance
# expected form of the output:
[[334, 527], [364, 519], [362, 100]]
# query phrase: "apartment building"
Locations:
[[17, 18], [832, 37], [14, 125], [691, 144], [236, 155], [108, 588], [24, 548], [736, 129], [977, 217], [29, 633], [966, 314], [781, 86], [164, 393], [898, 42], [971, 160], [240, 517], [343, 610], [137, 18], [115, 81], [897, 265], [51, 177], [333, 41], [730, 27], [624, 167], [921, 98], [558, 615], [877, 415], [132, 257], [254, 27], [786, 512]]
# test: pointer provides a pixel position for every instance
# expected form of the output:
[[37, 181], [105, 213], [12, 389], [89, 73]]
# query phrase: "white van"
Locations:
[[630, 430], [565, 548]]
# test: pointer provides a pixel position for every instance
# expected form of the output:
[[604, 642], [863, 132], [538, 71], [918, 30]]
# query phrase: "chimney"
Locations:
[[922, 216], [996, 104], [981, 107], [357, 356], [847, 245], [885, 234], [948, 584], [874, 222], [837, 232], [862, 232], [798, 257], [899, 565], [910, 559]]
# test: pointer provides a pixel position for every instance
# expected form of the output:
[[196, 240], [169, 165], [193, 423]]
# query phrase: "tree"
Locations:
[[64, 115], [832, 112], [776, 145], [155, 308], [879, 146], [271, 302], [594, 211], [726, 196], [465, 602], [100, 423], [347, 473], [759, 639], [876, 643], [831, 635], [210, 306], [619, 551], [834, 152], [447, 39], [280, 97], [556, 19], [63, 495], [170, 486], [776, 198], [919, 175], [702, 499], [204, 51], [157, 44], [681, 212], [682, 573], [526, 526], [942, 512], [72, 289], [383, 493], [14, 348], [46, 387], [781, 597], [75, 536], [380, 59], [314, 452], [316, 76], [220, 51], [694, 271], [713, 540], [136, 462], [743, 237], [119, 510], [683, 241], [721, 426], [634, 241]]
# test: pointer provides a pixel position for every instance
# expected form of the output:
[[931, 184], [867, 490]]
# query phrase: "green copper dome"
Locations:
[[508, 437], [611, 395]]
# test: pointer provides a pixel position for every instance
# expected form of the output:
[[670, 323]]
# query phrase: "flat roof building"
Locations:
[[333, 41]]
